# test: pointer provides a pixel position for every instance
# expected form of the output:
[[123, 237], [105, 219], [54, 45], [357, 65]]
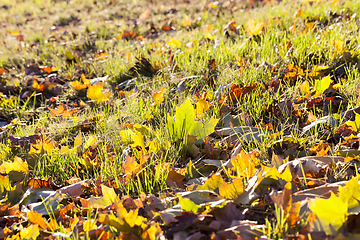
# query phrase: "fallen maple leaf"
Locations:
[[80, 86], [175, 179], [63, 111], [244, 164], [36, 218], [328, 215], [232, 190], [43, 145], [31, 232], [253, 27], [159, 96], [184, 123], [96, 94], [37, 86], [201, 107], [109, 197]]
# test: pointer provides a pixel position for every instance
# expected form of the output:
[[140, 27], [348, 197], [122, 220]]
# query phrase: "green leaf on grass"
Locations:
[[184, 124]]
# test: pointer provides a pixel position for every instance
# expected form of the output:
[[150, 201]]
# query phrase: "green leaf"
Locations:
[[328, 214], [188, 205], [323, 84], [184, 124]]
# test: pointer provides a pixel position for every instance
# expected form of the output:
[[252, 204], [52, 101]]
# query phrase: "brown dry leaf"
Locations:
[[63, 111], [32, 70], [127, 35], [238, 93], [73, 180], [175, 179], [35, 183], [241, 230], [284, 198], [145, 15], [24, 142], [131, 203], [315, 164], [74, 190]]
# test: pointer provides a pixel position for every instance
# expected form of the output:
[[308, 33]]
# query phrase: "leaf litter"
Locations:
[[250, 148]]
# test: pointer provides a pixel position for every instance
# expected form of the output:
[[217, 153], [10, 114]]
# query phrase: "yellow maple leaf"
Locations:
[[201, 107], [339, 46], [30, 232], [95, 93], [232, 190], [212, 183], [44, 145], [78, 140], [124, 221], [245, 164], [89, 225], [109, 197], [159, 96], [80, 86], [305, 88], [18, 166], [254, 28], [174, 43], [350, 193], [152, 232], [328, 215]]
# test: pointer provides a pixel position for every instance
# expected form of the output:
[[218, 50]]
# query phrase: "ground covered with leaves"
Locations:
[[179, 120]]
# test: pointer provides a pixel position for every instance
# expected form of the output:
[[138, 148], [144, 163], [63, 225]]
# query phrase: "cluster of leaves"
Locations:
[[254, 132]]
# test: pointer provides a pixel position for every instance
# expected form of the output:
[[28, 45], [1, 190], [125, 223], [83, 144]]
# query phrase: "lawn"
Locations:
[[179, 119]]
